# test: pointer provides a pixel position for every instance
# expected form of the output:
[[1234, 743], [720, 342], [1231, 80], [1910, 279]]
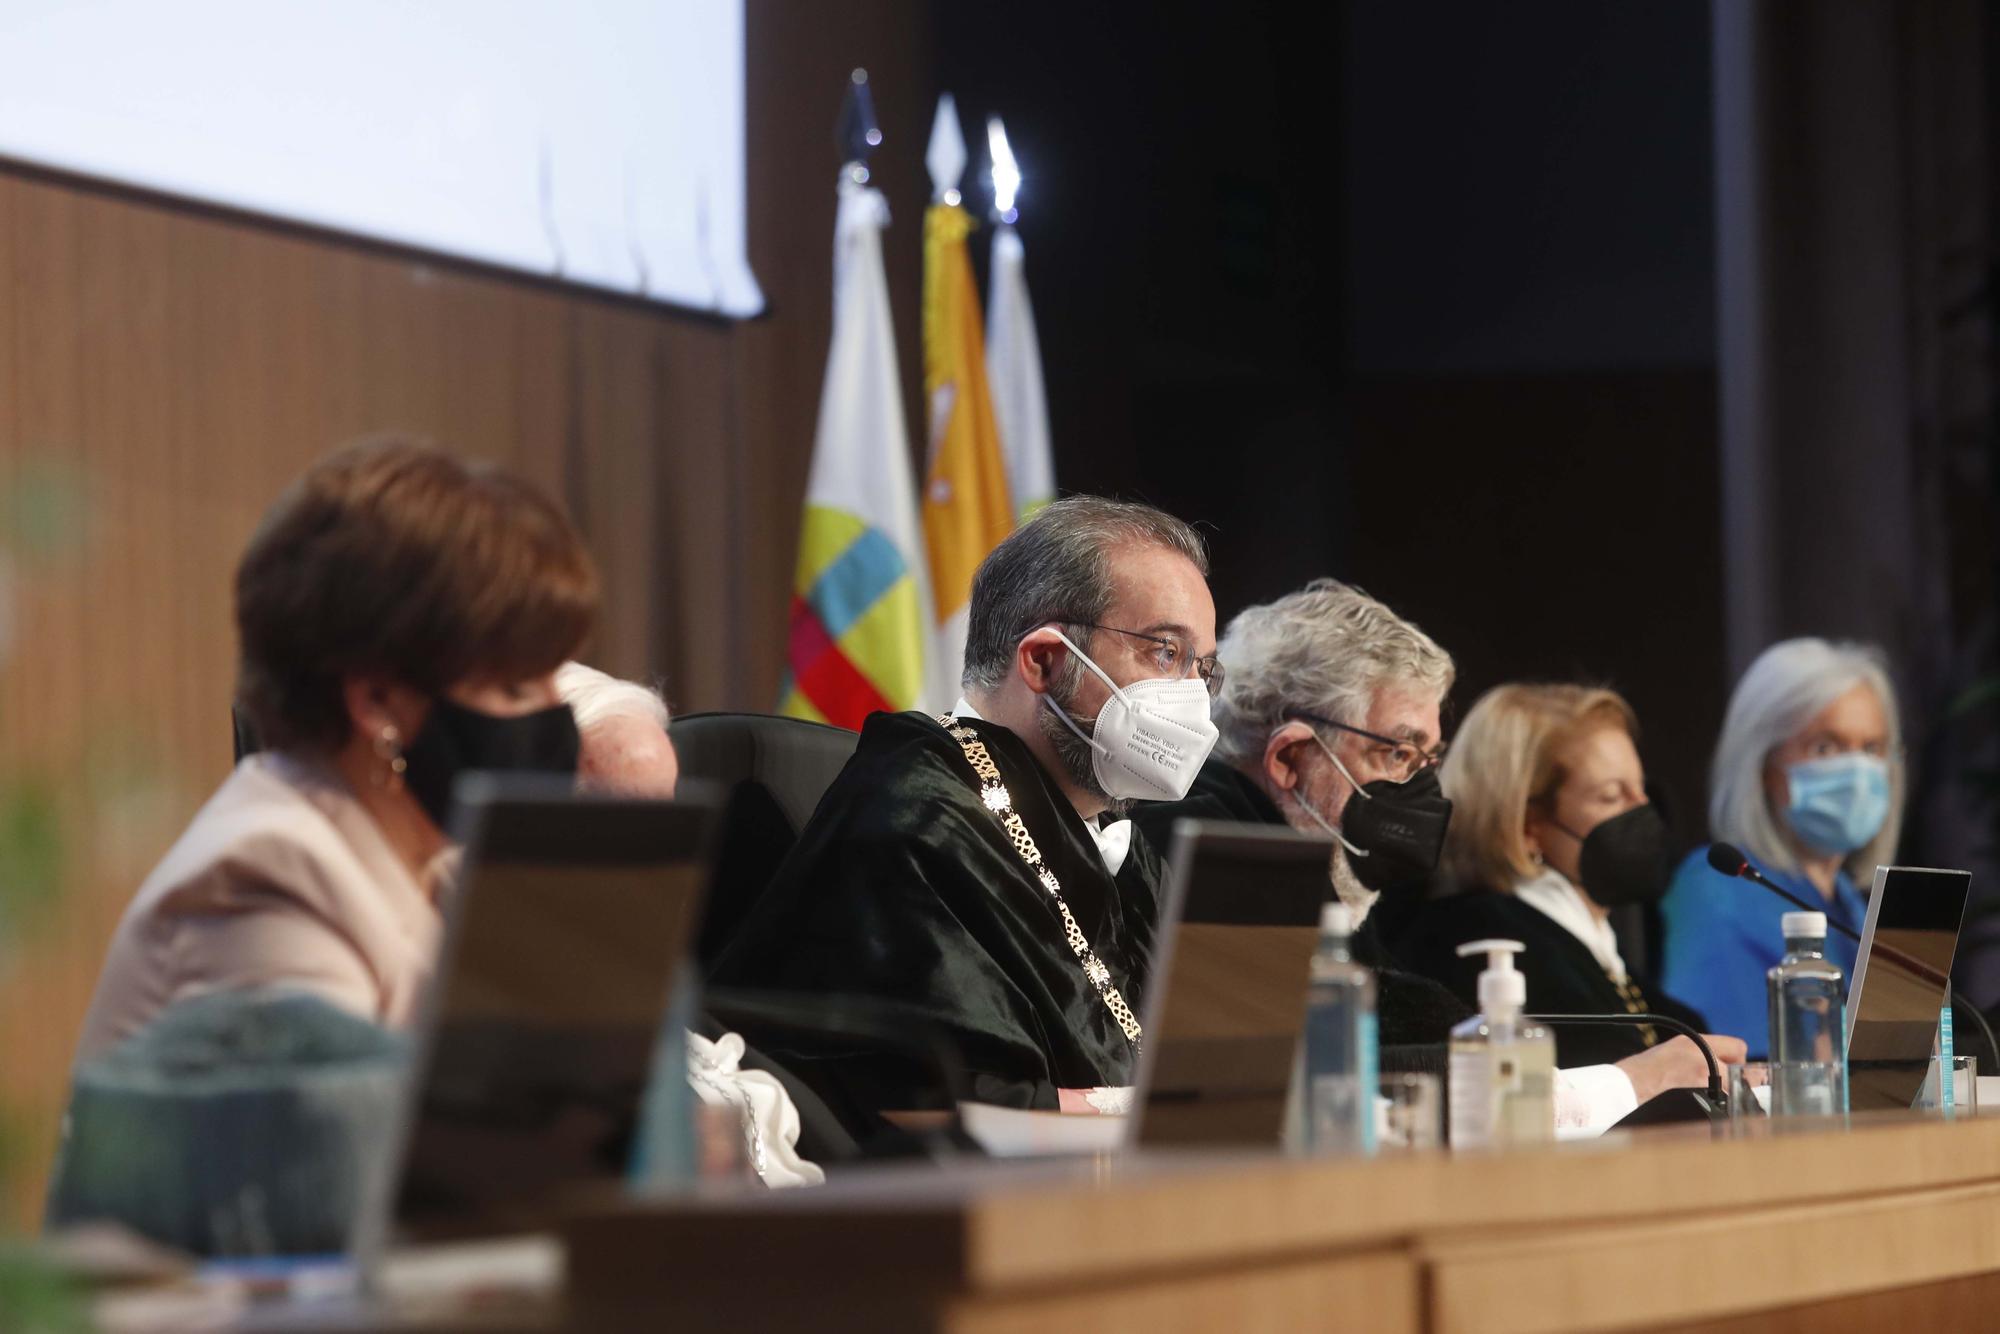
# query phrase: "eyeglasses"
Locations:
[[1824, 745], [1173, 657], [1406, 759]]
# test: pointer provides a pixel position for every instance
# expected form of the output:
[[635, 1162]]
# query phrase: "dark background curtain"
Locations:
[[1855, 233]]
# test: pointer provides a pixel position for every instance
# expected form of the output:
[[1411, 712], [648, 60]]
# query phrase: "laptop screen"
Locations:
[[1901, 981], [563, 940], [1226, 1003]]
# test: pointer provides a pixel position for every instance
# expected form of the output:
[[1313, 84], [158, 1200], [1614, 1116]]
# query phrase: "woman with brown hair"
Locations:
[[401, 615], [1551, 828]]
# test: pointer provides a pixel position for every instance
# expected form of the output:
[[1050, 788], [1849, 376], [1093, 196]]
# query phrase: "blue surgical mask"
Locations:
[[1839, 803]]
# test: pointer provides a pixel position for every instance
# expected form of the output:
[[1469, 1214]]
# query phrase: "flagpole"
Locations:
[[857, 134], [1013, 351]]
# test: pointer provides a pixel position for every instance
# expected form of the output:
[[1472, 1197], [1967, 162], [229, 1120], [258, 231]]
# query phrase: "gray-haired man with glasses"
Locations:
[[1329, 721]]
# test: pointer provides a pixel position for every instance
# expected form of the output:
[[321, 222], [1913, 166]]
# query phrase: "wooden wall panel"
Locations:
[[175, 370], [709, 649], [175, 367]]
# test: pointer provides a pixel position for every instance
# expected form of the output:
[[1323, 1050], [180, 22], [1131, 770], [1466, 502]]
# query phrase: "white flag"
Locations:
[[1014, 369], [860, 631]]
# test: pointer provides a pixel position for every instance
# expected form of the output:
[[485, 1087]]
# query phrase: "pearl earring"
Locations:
[[389, 749]]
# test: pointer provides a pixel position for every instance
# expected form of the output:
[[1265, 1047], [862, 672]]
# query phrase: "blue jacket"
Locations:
[[1723, 935]]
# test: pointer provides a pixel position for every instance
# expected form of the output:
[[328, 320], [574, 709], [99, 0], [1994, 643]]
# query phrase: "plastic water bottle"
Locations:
[[1808, 1000], [1340, 1043], [663, 1150]]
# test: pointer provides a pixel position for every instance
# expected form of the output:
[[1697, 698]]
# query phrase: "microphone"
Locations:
[[1731, 862], [1718, 1098], [1729, 859]]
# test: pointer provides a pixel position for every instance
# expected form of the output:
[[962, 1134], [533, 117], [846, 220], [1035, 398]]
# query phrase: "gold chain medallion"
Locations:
[[1635, 1003], [994, 794]]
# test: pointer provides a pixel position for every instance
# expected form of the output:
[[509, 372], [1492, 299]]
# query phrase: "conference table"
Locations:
[[1769, 1226], [1891, 1221]]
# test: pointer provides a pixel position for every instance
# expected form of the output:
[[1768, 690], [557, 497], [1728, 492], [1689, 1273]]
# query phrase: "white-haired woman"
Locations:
[[1808, 782]]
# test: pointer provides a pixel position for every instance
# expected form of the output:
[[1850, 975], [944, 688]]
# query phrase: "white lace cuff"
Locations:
[[770, 1121], [1109, 1101], [1591, 1099]]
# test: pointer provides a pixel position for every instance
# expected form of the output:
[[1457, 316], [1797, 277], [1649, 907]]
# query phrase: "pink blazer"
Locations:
[[283, 880]]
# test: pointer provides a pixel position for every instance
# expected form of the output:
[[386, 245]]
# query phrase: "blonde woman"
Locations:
[[1550, 829], [1808, 782]]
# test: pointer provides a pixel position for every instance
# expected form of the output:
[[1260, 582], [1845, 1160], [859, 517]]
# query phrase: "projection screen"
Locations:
[[598, 142]]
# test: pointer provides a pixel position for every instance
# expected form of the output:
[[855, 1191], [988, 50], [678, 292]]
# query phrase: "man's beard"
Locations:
[[1075, 755], [1347, 887]]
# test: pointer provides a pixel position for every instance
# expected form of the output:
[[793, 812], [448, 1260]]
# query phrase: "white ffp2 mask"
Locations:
[[1151, 737]]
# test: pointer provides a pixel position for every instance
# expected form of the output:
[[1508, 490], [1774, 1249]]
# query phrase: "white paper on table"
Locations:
[[1010, 1132]]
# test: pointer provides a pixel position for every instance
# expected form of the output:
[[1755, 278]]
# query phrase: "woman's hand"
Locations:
[[1678, 1064]]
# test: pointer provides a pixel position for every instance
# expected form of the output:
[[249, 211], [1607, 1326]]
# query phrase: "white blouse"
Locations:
[[1553, 894]]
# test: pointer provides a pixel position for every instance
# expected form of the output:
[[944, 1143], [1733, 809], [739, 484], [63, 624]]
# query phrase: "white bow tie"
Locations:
[[1113, 841]]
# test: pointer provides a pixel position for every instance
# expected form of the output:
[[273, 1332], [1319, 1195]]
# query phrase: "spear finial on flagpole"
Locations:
[[857, 134], [946, 155], [1006, 171]]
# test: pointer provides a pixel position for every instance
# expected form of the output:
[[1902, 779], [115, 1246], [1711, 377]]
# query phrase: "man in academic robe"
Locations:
[[976, 869], [1330, 722]]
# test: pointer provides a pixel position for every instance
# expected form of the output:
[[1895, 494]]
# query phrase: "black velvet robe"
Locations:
[[1563, 976], [904, 888], [1413, 1012]]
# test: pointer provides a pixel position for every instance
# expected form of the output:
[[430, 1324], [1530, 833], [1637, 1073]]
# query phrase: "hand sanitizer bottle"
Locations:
[[1502, 1069], [1340, 1050]]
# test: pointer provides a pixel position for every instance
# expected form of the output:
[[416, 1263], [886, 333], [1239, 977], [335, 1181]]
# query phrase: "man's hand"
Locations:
[[1095, 1102], [1678, 1064]]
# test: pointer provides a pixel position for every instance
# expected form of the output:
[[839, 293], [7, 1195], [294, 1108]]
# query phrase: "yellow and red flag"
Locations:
[[966, 505]]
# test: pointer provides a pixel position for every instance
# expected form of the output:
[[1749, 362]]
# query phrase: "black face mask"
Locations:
[[1401, 828], [1627, 859], [456, 740]]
